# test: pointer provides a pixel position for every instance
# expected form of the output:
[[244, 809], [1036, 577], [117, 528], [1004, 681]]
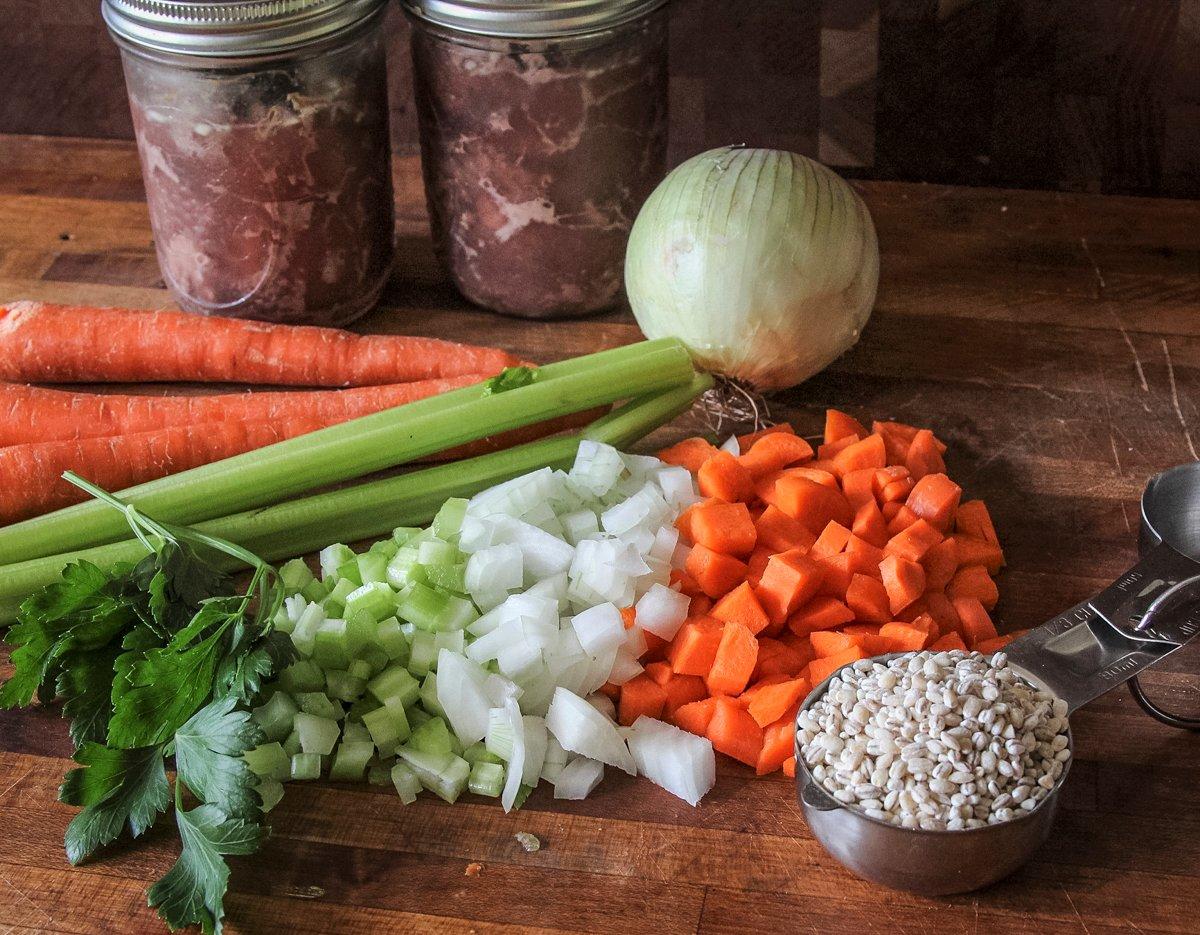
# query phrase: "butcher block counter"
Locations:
[[1052, 340]]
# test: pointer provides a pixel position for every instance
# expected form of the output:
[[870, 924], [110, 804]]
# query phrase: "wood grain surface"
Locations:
[[1052, 340]]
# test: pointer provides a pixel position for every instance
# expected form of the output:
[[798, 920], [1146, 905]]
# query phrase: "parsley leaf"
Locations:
[[208, 758], [177, 582], [193, 890], [116, 787], [85, 685], [242, 671]]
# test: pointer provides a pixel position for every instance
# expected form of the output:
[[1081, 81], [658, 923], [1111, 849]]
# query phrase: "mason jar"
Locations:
[[262, 128], [543, 129]]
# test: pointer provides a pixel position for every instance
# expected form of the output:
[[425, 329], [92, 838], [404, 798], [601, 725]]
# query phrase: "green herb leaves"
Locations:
[[208, 758], [510, 378]]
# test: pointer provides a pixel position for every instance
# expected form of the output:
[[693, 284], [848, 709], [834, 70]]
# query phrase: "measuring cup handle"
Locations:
[[1159, 615]]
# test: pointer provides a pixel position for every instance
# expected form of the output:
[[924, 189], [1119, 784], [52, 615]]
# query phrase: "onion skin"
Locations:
[[763, 262]]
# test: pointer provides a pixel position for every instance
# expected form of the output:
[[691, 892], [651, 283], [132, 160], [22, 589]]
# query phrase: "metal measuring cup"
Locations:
[[1145, 615]]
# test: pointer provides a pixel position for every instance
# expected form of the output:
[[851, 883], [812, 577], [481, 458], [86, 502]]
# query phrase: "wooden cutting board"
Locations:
[[1052, 340]]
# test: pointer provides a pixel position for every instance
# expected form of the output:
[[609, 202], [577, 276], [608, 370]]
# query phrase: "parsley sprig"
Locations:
[[154, 660]]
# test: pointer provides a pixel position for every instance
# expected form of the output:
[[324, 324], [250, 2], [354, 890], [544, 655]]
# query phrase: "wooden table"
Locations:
[[1052, 340]]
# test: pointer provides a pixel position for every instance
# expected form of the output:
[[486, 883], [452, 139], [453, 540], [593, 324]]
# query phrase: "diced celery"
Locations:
[[355, 732], [429, 698], [291, 746], [388, 727], [423, 606], [315, 591], [417, 716], [360, 631], [403, 570], [457, 614], [437, 552], [479, 753], [424, 653], [344, 686], [305, 631], [295, 575], [486, 779], [448, 577], [302, 676], [433, 736], [317, 734], [391, 639], [375, 599], [359, 669], [282, 621], [336, 643], [401, 534], [522, 794], [385, 547], [349, 572], [318, 704], [372, 567], [306, 766], [448, 520], [395, 685], [378, 774], [275, 717], [500, 738], [333, 557], [406, 782], [363, 706], [350, 760], [443, 774], [335, 602], [269, 761], [271, 792], [375, 658]]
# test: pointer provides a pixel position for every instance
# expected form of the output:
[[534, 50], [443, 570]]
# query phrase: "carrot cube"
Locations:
[[914, 541], [714, 572], [774, 452], [695, 716], [724, 477], [870, 525], [859, 487], [789, 767], [813, 504], [901, 521], [790, 579], [994, 645], [868, 598], [832, 540], [940, 563], [660, 672], [746, 442], [830, 450], [904, 581], [723, 527], [734, 732], [757, 564], [948, 642], [779, 743], [821, 613], [779, 658], [973, 519], [976, 551], [924, 456], [741, 606], [820, 669], [695, 646], [977, 626], [866, 453], [682, 690], [863, 555], [840, 425], [737, 654], [902, 637], [691, 453], [935, 498], [836, 572], [827, 643], [974, 581], [779, 532], [640, 695]]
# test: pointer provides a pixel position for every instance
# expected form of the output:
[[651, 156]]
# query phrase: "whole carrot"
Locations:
[[31, 414], [47, 343]]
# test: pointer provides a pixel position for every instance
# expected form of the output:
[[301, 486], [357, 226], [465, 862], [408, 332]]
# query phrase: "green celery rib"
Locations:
[[361, 446], [373, 509]]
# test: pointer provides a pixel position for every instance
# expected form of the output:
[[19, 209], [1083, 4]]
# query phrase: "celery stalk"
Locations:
[[361, 446]]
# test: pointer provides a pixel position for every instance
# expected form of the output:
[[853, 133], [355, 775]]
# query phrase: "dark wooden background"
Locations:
[[1076, 95]]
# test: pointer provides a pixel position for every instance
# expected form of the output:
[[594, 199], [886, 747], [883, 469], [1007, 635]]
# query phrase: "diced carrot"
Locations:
[[889, 509], [859, 487], [994, 645], [974, 581], [836, 572], [868, 599], [860, 550], [925, 622], [691, 453], [723, 527], [883, 477], [774, 452], [660, 672], [683, 522], [813, 504], [756, 564], [695, 716], [821, 613], [700, 604], [830, 450], [715, 573], [695, 646], [901, 521], [724, 477], [791, 579], [977, 626], [779, 532], [839, 425], [935, 498], [869, 524], [733, 731], [629, 617], [745, 442], [976, 551], [904, 581], [948, 642], [682, 690], [684, 583], [656, 647], [938, 606], [897, 436], [831, 642], [924, 456], [866, 453], [821, 669], [741, 606], [902, 637], [777, 658], [973, 519], [789, 767], [897, 491], [613, 691], [734, 662], [832, 540], [640, 695], [774, 701], [941, 562], [759, 684], [779, 743], [914, 541]]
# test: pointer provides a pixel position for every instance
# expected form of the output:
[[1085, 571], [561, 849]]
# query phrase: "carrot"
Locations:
[[973, 551], [914, 541], [691, 453], [935, 498], [695, 646], [902, 637], [722, 527], [790, 580], [687, 584], [926, 623], [948, 642], [974, 581], [758, 685], [994, 645], [839, 425], [779, 743], [640, 695], [660, 672], [820, 669], [904, 581], [924, 457], [756, 564], [939, 607], [973, 519], [613, 691], [868, 598], [724, 477], [714, 573], [734, 662], [32, 474], [821, 613], [869, 524], [779, 532], [47, 343], [862, 554], [977, 626], [741, 606], [830, 450], [867, 453], [774, 452], [746, 442], [733, 731], [789, 767], [814, 505], [682, 690], [859, 487], [776, 657], [827, 643], [833, 539], [695, 716], [903, 518], [897, 491], [836, 572], [940, 563]]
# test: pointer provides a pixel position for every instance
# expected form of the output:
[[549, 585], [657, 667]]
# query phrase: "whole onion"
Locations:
[[763, 262]]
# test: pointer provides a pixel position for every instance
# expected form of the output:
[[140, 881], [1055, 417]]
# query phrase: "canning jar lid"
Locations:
[[530, 19], [230, 27]]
